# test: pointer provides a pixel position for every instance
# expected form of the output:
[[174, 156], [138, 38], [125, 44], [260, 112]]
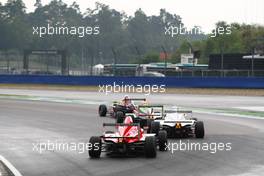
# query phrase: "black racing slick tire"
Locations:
[[150, 148], [162, 140], [155, 127], [199, 129], [102, 110], [120, 116], [96, 147], [149, 121]]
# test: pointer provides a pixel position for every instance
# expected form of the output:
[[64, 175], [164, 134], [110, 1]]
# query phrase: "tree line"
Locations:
[[128, 39]]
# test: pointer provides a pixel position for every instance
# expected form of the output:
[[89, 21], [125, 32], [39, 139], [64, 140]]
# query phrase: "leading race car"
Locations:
[[128, 139], [119, 109], [179, 123]]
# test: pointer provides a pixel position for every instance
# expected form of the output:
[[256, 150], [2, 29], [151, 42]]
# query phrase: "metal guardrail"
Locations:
[[217, 73], [181, 73]]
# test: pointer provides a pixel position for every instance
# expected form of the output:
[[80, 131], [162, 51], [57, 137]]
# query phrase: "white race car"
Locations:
[[180, 123]]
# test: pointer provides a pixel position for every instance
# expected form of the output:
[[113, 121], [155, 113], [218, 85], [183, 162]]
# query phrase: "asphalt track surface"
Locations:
[[24, 123]]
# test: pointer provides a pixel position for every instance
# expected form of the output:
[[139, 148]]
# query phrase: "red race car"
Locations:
[[128, 139]]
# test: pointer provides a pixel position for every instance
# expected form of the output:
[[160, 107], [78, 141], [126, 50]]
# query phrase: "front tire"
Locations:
[[162, 137], [199, 129], [102, 110], [96, 148], [150, 147], [120, 116]]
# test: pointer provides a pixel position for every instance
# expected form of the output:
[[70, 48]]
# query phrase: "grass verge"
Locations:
[[201, 91]]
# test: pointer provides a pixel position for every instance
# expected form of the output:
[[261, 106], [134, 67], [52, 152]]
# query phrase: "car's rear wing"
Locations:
[[122, 124], [132, 99], [150, 106], [137, 99], [178, 121], [158, 110], [186, 113]]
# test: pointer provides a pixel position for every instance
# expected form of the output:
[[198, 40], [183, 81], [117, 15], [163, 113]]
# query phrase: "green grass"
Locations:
[[231, 111], [243, 112]]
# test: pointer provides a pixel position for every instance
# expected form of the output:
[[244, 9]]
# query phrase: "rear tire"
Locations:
[[149, 121], [96, 148], [162, 137], [120, 116], [102, 110], [155, 127], [199, 129], [150, 147]]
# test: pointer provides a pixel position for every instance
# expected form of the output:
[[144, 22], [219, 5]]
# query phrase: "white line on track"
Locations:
[[252, 108], [10, 166]]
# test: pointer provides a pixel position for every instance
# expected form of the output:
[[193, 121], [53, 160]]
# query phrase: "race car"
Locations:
[[146, 115], [128, 139], [179, 123], [119, 109]]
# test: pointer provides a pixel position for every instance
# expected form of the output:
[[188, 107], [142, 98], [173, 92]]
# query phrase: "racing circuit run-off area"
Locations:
[[68, 137], [131, 88]]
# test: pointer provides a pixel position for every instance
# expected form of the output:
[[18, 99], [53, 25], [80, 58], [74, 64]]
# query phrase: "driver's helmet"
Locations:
[[126, 100]]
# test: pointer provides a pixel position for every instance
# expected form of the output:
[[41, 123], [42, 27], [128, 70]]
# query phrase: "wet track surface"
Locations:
[[24, 123]]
